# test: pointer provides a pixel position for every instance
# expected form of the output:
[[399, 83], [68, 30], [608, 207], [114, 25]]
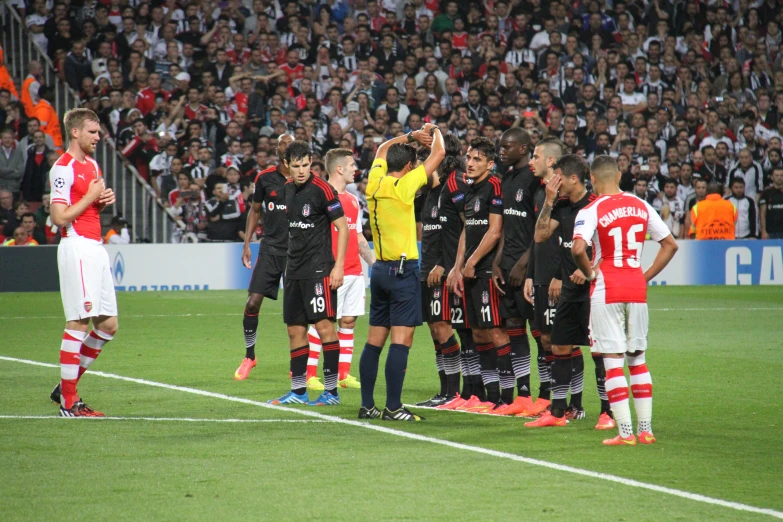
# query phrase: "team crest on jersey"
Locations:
[[436, 293], [306, 210], [456, 300], [477, 206], [485, 297], [518, 197], [87, 306], [319, 289], [434, 212]]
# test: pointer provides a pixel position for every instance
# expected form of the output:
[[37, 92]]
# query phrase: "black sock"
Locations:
[[469, 359], [477, 388], [451, 365], [561, 380], [577, 378], [505, 374], [488, 359], [544, 368], [299, 369], [250, 326], [439, 365], [368, 373], [600, 382], [396, 364], [331, 352], [520, 359]]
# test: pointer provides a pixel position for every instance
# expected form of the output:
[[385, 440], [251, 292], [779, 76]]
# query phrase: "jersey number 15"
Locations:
[[634, 260]]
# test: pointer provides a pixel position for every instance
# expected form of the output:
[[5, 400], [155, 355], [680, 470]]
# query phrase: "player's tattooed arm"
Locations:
[[545, 225], [365, 251]]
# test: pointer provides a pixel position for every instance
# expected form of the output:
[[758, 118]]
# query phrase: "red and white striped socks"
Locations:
[[617, 391], [69, 366], [315, 352], [345, 336], [91, 349], [641, 388]]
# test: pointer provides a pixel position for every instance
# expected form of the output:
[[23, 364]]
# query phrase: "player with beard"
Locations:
[[570, 329], [267, 207], [434, 292], [471, 276]]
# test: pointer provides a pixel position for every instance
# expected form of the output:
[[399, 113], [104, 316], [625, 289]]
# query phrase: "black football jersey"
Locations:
[[518, 187], [483, 199], [545, 261], [269, 192], [431, 247], [311, 208], [452, 201], [565, 213]]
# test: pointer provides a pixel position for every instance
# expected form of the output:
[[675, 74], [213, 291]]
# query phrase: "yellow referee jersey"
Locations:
[[392, 217]]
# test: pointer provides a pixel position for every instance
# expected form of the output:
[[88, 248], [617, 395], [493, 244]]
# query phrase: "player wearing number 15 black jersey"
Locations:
[[312, 274]]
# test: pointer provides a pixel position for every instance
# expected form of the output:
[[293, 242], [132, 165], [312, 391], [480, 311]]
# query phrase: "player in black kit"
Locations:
[[268, 207], [434, 292], [572, 318], [312, 274], [471, 276]]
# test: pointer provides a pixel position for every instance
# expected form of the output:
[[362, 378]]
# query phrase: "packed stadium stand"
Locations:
[[190, 94]]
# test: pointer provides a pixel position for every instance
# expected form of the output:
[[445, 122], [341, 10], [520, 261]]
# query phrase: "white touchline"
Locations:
[[157, 419], [423, 438]]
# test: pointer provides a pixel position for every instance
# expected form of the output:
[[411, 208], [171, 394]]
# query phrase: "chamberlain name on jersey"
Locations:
[[518, 188], [565, 213], [617, 225], [450, 206], [70, 181], [269, 185], [431, 244], [483, 199]]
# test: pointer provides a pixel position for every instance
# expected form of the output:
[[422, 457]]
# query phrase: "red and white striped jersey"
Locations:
[[70, 181], [353, 263], [617, 225]]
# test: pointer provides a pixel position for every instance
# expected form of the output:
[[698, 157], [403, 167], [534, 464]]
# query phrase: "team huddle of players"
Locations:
[[529, 246]]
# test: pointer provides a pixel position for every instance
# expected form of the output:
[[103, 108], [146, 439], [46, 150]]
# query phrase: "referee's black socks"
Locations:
[[368, 373], [396, 364]]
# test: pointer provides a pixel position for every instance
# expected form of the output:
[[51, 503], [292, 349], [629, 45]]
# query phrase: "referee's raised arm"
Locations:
[[395, 302]]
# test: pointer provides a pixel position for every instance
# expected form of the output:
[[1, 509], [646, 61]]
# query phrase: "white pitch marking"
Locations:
[[423, 438], [159, 419]]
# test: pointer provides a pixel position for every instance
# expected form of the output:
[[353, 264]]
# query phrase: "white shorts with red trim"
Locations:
[[618, 327], [351, 297], [86, 284]]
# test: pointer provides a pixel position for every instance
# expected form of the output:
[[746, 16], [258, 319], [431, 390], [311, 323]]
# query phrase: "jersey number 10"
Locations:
[[634, 261]]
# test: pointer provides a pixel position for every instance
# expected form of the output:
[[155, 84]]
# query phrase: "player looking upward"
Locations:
[[471, 278], [340, 170], [268, 207], [78, 196], [572, 316], [435, 294], [312, 274], [616, 224]]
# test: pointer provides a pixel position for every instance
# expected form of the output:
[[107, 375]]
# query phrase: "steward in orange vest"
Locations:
[[713, 217]]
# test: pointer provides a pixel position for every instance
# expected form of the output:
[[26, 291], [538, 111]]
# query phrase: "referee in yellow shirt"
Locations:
[[395, 302]]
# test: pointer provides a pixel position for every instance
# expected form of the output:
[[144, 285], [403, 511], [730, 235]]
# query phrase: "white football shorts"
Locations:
[[351, 297], [86, 284], [618, 327]]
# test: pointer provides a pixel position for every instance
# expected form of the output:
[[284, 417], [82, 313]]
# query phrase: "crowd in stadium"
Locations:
[[682, 93]]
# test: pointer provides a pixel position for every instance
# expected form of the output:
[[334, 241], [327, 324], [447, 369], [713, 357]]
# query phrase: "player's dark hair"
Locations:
[[399, 155], [553, 147], [297, 150], [604, 166], [573, 165], [454, 159], [484, 145]]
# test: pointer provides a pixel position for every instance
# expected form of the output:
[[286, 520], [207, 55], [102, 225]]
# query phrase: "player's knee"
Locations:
[[326, 330], [441, 331], [402, 336], [499, 336], [546, 342], [481, 336], [349, 323], [253, 303], [561, 350]]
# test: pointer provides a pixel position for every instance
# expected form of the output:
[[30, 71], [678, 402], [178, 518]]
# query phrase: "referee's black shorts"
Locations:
[[395, 299], [266, 274], [572, 324]]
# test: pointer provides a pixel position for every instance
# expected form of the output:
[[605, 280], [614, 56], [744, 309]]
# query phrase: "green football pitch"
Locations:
[[184, 441]]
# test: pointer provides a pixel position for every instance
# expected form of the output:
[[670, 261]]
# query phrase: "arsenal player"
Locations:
[[79, 194], [616, 224]]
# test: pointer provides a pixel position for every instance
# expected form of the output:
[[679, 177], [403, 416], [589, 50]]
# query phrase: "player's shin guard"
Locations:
[[315, 352], [368, 373], [600, 382], [250, 327], [69, 366], [345, 336], [396, 365], [577, 378], [299, 369], [641, 388], [505, 374], [91, 349], [451, 365], [331, 364], [561, 381], [520, 359], [617, 391], [488, 359], [439, 366]]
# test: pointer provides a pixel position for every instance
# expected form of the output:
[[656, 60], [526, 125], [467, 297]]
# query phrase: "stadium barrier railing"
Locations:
[[150, 220]]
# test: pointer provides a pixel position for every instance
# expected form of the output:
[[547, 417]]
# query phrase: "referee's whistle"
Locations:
[[401, 270]]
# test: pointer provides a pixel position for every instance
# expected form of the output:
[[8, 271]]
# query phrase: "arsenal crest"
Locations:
[[306, 211], [519, 195], [319, 289], [477, 206], [436, 293], [87, 306], [485, 297]]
